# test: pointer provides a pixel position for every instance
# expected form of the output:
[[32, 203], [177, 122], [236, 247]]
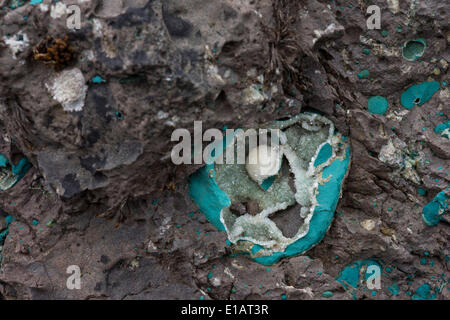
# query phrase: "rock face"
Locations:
[[100, 147]]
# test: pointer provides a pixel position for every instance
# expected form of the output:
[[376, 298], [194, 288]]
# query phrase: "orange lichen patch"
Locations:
[[54, 52]]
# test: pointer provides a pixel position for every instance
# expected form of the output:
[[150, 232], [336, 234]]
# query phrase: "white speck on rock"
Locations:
[[332, 28], [162, 115], [368, 224], [43, 7], [216, 282], [58, 10], [17, 43]]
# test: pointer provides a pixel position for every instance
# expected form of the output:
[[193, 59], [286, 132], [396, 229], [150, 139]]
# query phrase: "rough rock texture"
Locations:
[[151, 66]]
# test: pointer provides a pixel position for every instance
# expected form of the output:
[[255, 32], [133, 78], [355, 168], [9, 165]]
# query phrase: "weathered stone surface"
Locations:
[[163, 64]]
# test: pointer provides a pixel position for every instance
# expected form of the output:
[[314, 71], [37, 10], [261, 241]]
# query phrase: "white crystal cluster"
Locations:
[[69, 89]]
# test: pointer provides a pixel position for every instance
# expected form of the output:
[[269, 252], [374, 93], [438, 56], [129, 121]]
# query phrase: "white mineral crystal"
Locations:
[[263, 162], [17, 43], [69, 89]]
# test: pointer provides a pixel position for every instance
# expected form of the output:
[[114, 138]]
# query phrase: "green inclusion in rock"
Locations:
[[424, 293], [443, 129], [414, 49], [394, 289], [422, 191], [433, 211], [418, 94], [364, 74], [268, 183], [11, 174], [378, 105]]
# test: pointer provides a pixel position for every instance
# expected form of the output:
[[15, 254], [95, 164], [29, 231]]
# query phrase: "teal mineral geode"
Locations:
[[414, 49], [10, 174], [289, 212]]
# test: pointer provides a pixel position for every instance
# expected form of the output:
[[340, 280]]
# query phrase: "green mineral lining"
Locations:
[[323, 213], [414, 49], [4, 233], [418, 94], [268, 183], [325, 153], [204, 190], [11, 174]]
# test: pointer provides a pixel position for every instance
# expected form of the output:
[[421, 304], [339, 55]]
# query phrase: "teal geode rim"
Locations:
[[207, 194], [11, 174]]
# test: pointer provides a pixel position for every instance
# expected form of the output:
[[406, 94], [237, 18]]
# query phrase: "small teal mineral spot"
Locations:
[[394, 289], [422, 192], [327, 294], [98, 79], [364, 74], [378, 105]]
